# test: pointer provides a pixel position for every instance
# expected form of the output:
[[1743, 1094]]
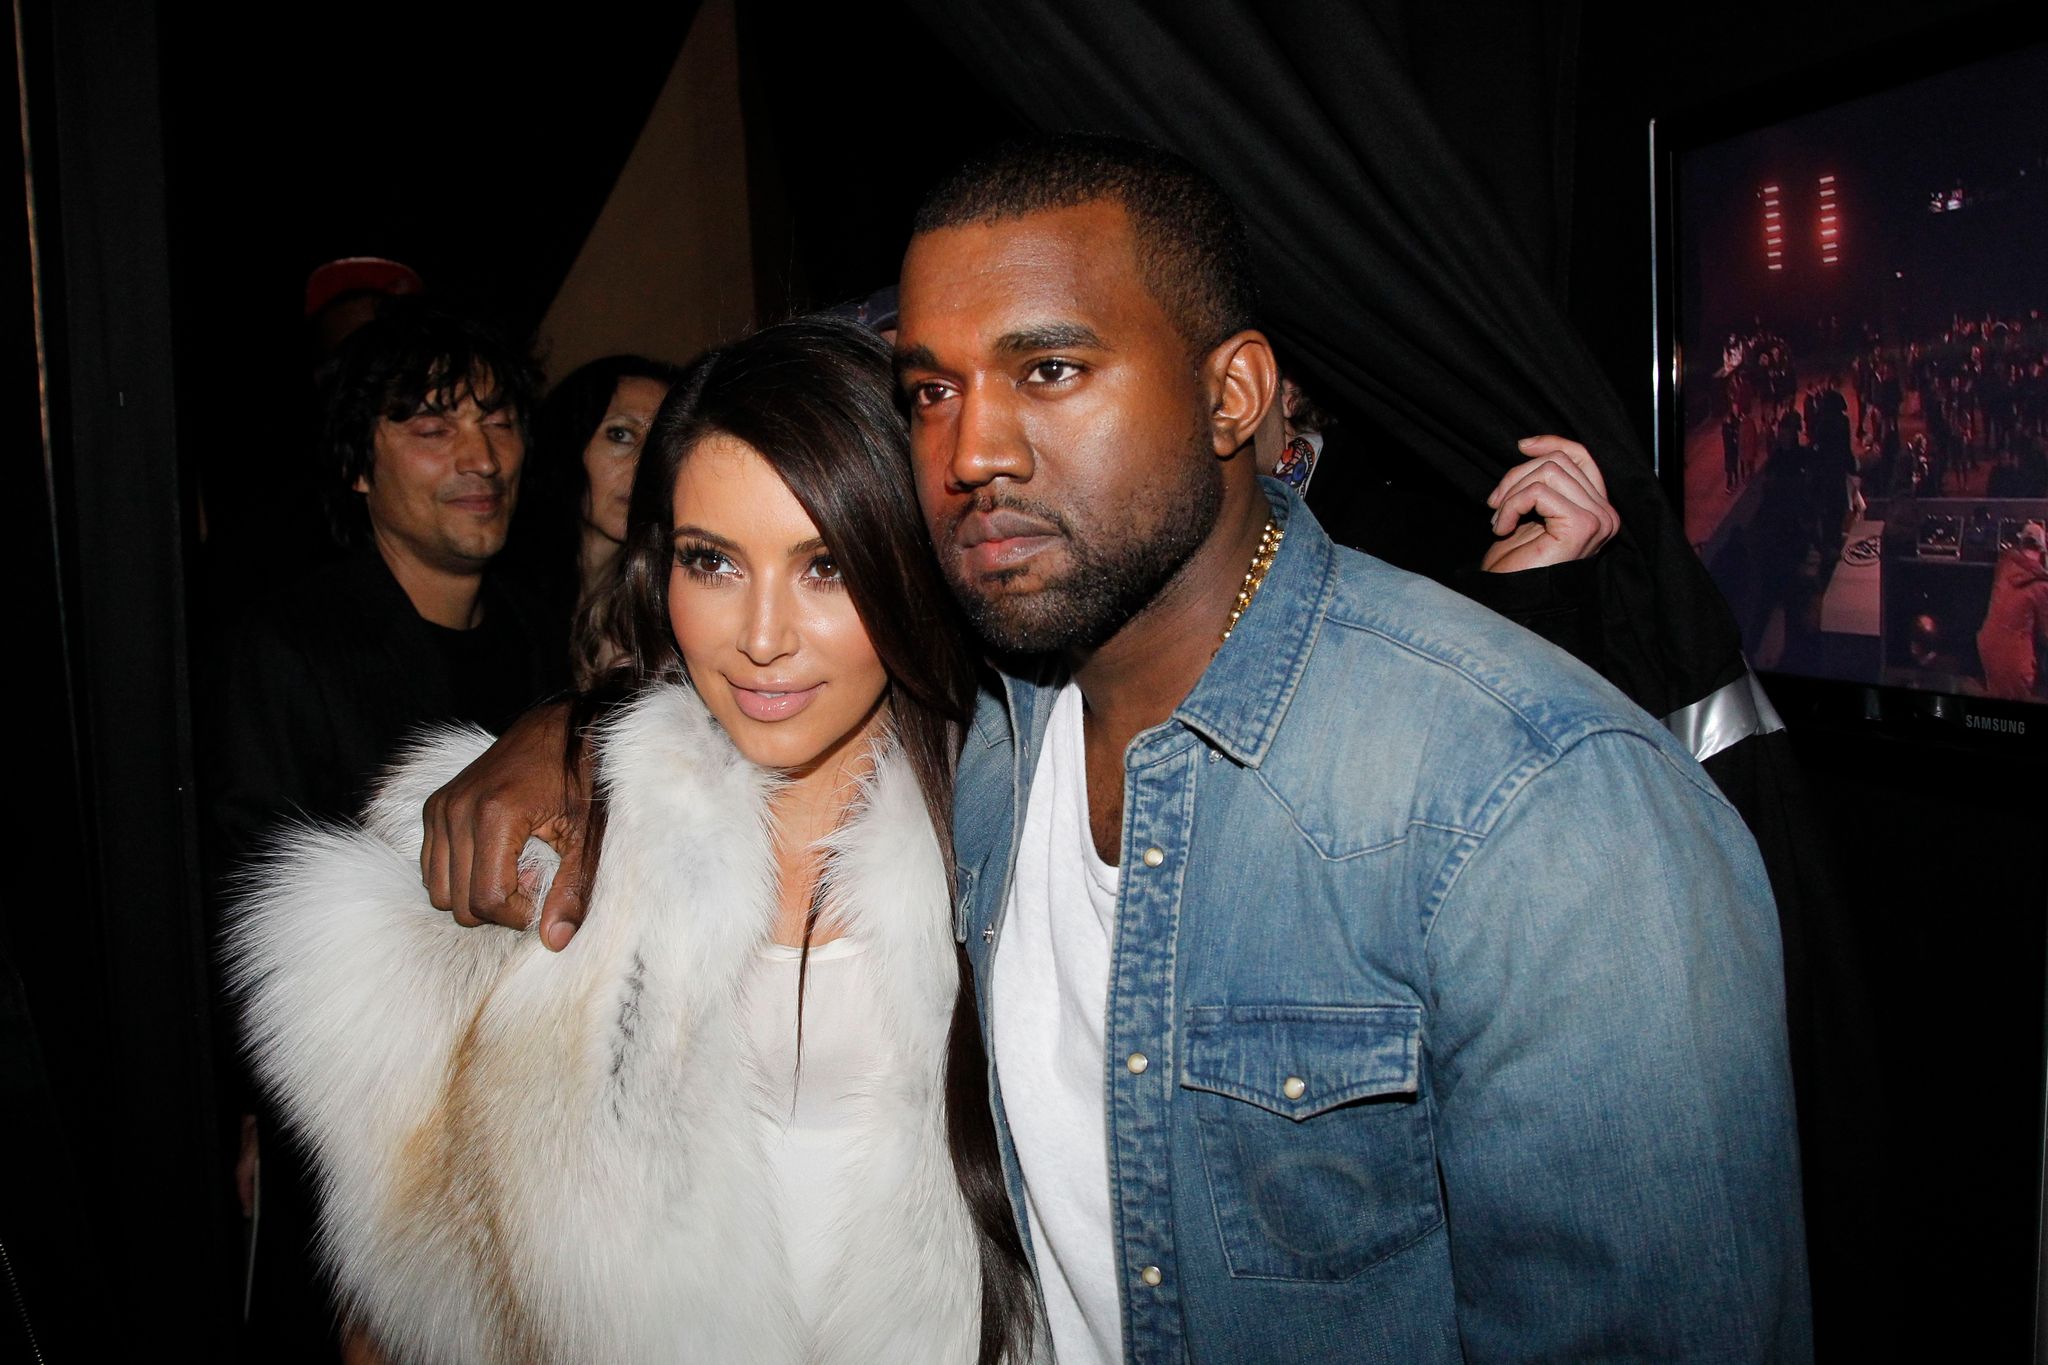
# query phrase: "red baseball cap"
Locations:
[[359, 275]]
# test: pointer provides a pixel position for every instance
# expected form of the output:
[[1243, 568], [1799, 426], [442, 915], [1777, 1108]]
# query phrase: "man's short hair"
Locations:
[[1192, 253], [391, 368]]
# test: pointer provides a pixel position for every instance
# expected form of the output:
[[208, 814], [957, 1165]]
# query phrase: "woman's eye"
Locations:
[[498, 419], [621, 436], [825, 569], [1051, 371], [702, 562]]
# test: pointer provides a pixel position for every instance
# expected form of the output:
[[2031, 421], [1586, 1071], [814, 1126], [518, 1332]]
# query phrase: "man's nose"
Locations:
[[768, 630], [988, 441], [481, 449]]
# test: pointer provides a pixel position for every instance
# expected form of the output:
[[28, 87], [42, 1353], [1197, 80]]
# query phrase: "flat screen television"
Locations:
[[1852, 383]]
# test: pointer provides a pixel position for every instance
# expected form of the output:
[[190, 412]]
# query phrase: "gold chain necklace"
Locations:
[[1262, 560]]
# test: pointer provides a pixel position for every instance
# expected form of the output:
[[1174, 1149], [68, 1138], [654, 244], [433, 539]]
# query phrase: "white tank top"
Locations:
[[813, 1121]]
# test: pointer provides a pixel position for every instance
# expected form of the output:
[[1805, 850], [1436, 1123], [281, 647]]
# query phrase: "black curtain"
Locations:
[[1405, 286]]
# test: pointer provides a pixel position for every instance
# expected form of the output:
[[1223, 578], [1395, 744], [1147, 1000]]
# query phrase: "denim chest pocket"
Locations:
[[1314, 1136]]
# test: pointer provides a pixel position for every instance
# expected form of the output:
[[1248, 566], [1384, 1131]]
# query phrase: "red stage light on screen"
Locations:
[[1830, 219], [1773, 226]]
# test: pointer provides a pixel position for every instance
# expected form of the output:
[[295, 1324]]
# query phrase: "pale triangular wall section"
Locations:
[[668, 268]]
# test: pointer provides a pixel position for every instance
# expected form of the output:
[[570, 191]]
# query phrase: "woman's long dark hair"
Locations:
[[815, 398]]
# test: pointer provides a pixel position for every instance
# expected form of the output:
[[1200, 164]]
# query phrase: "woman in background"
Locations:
[[587, 441]]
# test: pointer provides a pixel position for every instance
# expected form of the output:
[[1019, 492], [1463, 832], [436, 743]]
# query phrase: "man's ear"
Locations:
[[1243, 380]]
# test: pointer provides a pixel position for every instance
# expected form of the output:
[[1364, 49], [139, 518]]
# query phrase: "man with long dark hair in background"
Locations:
[[424, 435]]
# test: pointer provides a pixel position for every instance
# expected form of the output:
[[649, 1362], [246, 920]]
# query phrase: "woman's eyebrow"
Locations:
[[708, 537], [717, 541]]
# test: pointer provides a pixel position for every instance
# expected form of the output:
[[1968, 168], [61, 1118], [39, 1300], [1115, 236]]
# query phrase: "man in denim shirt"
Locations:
[[1364, 979]]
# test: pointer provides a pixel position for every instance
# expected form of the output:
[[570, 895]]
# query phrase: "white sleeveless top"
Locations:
[[813, 1122]]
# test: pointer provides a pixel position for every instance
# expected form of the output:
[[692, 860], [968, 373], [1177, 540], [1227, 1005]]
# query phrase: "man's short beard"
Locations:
[[1109, 580]]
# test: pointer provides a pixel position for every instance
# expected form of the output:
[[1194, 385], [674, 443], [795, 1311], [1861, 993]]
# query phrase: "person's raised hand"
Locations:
[[476, 826], [1559, 488]]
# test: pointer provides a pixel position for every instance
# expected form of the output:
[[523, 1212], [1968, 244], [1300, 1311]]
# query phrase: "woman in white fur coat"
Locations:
[[733, 1121]]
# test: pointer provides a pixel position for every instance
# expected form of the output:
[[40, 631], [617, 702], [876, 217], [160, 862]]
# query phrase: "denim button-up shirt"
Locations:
[[1460, 994]]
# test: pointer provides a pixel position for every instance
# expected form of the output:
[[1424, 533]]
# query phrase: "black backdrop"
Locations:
[[276, 143]]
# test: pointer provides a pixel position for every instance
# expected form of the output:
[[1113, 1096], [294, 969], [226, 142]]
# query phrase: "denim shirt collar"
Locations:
[[1241, 698]]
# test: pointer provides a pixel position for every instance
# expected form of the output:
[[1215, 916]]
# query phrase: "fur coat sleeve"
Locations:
[[530, 1156]]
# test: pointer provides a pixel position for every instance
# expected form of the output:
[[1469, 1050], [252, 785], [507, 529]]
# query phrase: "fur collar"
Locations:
[[554, 1157]]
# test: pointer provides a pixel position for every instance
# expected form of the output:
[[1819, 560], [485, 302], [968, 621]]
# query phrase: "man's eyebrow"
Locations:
[[441, 402], [1048, 336], [915, 358], [1051, 336]]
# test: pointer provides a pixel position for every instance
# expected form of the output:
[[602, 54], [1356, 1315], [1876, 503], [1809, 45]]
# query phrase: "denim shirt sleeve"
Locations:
[[1614, 1097]]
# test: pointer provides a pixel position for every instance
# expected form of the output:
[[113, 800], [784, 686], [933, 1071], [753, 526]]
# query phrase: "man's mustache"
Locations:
[[473, 487], [987, 504]]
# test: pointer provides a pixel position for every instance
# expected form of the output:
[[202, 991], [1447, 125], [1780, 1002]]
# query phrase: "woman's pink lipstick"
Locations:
[[770, 705]]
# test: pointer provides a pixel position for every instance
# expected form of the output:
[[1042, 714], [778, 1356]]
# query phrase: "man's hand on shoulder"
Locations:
[[1559, 486], [476, 826]]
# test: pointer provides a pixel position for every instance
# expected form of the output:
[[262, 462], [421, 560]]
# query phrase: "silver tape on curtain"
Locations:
[[1724, 718]]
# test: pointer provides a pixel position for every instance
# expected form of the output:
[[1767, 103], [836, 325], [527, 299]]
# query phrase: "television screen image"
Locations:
[[1861, 371]]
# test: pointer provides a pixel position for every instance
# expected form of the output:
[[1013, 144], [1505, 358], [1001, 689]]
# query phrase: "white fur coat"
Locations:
[[534, 1157]]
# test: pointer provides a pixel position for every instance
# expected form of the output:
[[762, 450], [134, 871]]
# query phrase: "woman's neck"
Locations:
[[808, 807], [595, 557]]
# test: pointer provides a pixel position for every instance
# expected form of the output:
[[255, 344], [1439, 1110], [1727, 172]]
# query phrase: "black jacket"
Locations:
[[323, 683]]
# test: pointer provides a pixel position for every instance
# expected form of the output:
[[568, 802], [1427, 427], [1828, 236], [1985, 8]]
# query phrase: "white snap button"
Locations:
[[1151, 1276], [1137, 1062], [1294, 1087], [1152, 857]]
